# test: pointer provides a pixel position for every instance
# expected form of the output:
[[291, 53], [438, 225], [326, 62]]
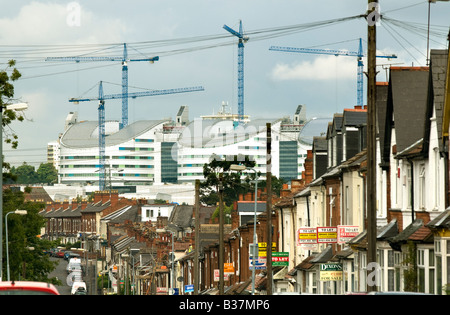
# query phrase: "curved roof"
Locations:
[[85, 134], [221, 132]]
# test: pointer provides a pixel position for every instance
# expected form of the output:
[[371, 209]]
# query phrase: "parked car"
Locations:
[[396, 293], [66, 254], [80, 291], [72, 255], [74, 276], [74, 267], [27, 288], [60, 253], [77, 285], [53, 251]]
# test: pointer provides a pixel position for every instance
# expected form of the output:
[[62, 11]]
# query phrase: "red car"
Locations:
[[60, 253], [27, 288]]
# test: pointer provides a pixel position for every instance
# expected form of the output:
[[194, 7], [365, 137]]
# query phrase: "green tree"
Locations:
[[27, 259], [7, 77], [47, 173], [220, 168], [25, 174]]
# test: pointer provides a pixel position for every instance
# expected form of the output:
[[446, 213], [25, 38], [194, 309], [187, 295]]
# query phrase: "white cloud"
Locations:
[[321, 68], [52, 23]]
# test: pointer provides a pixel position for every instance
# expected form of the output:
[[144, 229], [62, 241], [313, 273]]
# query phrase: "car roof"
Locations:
[[28, 286]]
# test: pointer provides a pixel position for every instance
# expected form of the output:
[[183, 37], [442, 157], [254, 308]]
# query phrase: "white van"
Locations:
[[74, 264], [76, 285]]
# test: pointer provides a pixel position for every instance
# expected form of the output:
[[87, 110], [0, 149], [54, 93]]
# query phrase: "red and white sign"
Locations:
[[217, 275], [346, 233]]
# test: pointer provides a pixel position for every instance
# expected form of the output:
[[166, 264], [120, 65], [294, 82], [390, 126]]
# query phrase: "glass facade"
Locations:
[[288, 160]]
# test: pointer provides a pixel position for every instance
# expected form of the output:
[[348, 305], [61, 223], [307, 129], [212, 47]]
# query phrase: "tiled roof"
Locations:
[[441, 221], [408, 98], [422, 234]]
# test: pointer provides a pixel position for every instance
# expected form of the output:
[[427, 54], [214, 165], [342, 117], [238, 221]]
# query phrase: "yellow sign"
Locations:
[[307, 236], [262, 248], [327, 234], [330, 275]]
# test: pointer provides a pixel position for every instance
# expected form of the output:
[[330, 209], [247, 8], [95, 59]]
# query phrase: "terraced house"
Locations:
[[413, 244]]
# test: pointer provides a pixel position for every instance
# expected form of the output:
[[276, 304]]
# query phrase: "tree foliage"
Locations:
[[218, 171], [27, 258], [27, 174], [7, 77], [233, 186]]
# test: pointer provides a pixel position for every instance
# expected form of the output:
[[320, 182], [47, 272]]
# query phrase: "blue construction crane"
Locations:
[[242, 39], [101, 116], [359, 54], [124, 59]]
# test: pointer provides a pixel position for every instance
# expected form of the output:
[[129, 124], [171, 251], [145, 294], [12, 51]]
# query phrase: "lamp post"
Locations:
[[235, 167], [16, 107], [19, 212]]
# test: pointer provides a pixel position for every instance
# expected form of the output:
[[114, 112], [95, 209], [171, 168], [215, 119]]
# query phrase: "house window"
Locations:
[[426, 270], [398, 270]]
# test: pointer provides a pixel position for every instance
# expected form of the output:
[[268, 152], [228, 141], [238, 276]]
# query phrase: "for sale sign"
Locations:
[[331, 272]]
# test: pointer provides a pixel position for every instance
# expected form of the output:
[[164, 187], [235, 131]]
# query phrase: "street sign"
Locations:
[[260, 263], [188, 288], [280, 259]]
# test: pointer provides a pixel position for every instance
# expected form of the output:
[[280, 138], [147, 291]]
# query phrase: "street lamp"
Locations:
[[16, 107], [236, 167], [19, 212]]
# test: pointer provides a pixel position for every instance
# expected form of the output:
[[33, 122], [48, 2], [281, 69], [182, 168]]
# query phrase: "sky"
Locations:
[[195, 50]]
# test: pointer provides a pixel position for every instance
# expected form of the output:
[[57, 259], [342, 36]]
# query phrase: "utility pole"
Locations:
[[221, 237], [269, 207], [372, 18], [197, 233]]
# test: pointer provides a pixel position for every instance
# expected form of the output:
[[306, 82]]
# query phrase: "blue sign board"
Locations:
[[188, 288]]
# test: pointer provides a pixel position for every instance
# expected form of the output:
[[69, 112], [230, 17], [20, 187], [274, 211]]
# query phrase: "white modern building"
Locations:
[[132, 154], [152, 152]]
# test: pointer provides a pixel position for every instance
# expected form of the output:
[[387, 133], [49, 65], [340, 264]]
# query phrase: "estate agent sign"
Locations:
[[330, 272]]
